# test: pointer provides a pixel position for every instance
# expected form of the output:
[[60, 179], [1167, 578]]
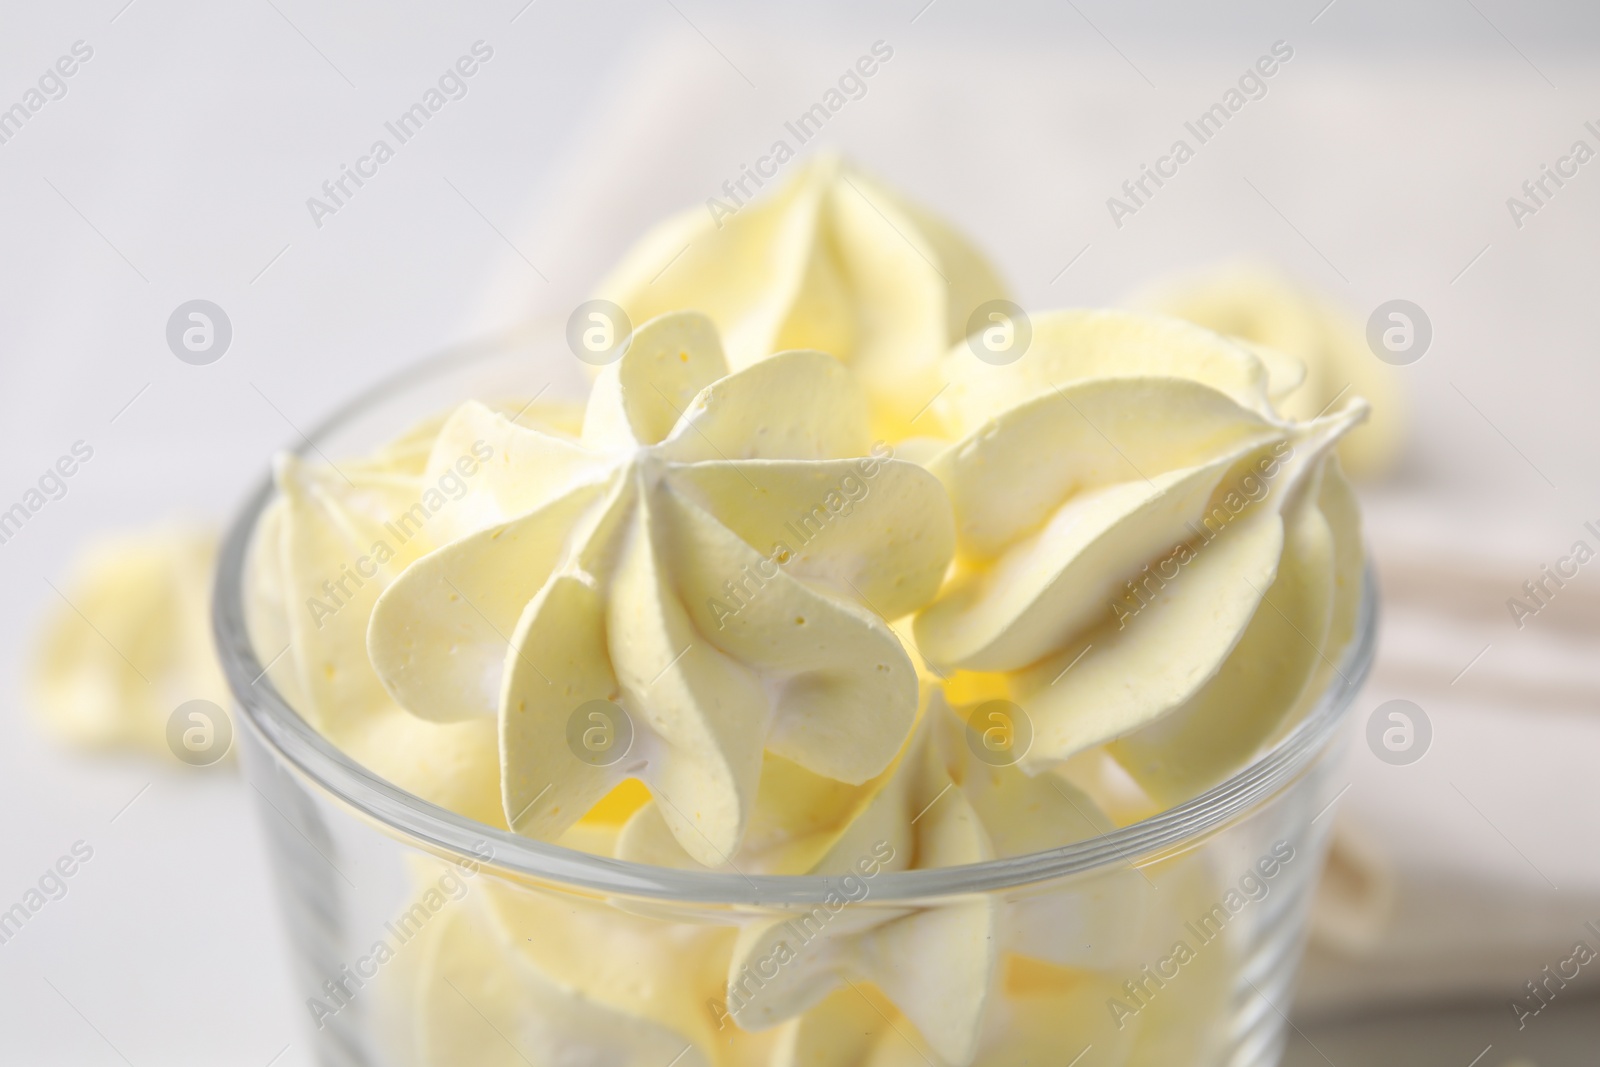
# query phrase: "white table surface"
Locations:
[[178, 164]]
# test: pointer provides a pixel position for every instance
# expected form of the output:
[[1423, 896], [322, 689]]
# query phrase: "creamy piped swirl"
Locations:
[[1147, 553], [831, 261], [611, 570]]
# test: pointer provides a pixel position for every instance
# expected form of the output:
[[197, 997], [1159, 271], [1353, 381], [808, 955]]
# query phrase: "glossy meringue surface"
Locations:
[[831, 260], [128, 640], [1131, 513], [616, 571]]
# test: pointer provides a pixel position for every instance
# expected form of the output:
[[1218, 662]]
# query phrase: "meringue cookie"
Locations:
[[141, 646], [830, 261], [714, 555], [330, 541], [1097, 473], [1099, 923], [1263, 308], [475, 1003], [335, 551], [934, 963], [1282, 657], [652, 973]]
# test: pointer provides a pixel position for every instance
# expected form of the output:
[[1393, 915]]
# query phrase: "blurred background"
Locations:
[[175, 164]]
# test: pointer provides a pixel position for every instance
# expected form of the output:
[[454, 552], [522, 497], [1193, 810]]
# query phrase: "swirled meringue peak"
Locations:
[[1146, 550], [716, 557], [148, 594], [831, 261]]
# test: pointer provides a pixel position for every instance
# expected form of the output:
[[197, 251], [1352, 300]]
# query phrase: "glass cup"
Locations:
[[422, 937]]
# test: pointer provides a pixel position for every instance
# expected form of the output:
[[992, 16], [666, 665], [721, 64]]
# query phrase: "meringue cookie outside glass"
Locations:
[[832, 260], [648, 948], [131, 642]]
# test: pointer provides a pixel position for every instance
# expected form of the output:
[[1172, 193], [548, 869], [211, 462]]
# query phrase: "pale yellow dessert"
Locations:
[[128, 640], [327, 546], [1150, 562], [832, 261], [1148, 555], [657, 561], [786, 610]]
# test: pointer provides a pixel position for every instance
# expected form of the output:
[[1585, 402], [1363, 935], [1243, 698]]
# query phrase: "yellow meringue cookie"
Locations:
[[1067, 945], [665, 974], [934, 963], [1273, 665], [331, 540], [132, 642], [1098, 472], [476, 1003], [561, 977], [454, 765], [1262, 307], [1097, 923], [341, 539], [717, 554], [830, 261], [1192, 629]]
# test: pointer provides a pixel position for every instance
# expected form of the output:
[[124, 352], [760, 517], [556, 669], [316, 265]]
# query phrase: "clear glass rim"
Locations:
[[445, 832]]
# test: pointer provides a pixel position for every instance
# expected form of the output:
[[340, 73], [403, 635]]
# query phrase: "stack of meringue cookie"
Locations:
[[829, 576]]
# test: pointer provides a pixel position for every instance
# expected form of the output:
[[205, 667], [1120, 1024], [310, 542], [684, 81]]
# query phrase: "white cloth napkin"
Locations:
[[1471, 869]]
